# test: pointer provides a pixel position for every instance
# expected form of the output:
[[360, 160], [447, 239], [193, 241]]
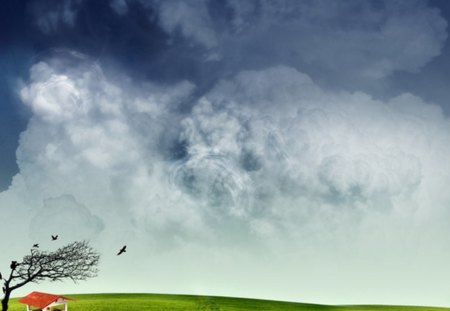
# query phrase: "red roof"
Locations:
[[40, 300]]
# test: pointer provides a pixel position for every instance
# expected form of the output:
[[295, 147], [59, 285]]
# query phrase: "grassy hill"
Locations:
[[131, 302]]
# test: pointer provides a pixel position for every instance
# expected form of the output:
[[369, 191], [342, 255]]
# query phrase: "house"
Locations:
[[44, 301]]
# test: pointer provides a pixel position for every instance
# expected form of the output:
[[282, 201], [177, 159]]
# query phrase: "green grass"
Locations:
[[130, 302]]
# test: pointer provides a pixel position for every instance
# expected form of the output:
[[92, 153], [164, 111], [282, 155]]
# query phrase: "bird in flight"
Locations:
[[54, 237], [123, 250], [36, 245]]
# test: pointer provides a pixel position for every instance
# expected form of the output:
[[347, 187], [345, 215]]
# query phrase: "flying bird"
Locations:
[[54, 237], [13, 265], [36, 245], [123, 250]]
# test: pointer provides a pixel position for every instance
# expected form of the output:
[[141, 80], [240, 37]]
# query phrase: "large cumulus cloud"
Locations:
[[266, 160], [304, 152], [266, 152]]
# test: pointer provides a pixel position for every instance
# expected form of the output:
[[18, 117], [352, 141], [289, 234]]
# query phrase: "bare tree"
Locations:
[[76, 261]]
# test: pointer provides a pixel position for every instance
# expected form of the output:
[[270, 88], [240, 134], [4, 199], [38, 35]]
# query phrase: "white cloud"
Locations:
[[56, 99], [65, 217], [266, 147], [270, 163]]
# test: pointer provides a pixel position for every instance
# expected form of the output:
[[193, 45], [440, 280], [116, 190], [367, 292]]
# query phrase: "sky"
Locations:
[[275, 149]]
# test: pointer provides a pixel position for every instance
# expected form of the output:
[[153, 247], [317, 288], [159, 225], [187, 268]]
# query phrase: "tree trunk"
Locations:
[[5, 300]]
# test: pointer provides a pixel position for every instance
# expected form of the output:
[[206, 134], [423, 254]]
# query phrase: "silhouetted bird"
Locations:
[[13, 265], [54, 237], [36, 245], [1, 277], [123, 250]]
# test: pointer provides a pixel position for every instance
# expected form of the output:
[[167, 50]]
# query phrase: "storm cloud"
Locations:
[[266, 150], [203, 40]]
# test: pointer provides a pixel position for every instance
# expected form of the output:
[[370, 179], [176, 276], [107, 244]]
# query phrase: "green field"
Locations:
[[122, 302]]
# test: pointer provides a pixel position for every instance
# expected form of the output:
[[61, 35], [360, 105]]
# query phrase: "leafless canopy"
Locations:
[[76, 261]]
